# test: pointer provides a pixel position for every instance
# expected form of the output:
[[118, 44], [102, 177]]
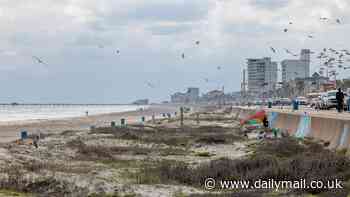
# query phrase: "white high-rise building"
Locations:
[[262, 75], [298, 68]]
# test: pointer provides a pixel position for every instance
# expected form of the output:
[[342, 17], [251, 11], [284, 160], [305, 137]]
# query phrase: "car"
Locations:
[[329, 100], [285, 101], [302, 100]]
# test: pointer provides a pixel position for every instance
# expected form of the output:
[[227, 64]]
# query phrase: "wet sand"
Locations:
[[10, 131]]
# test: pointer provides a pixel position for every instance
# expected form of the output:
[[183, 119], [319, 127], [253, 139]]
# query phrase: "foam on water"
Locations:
[[45, 112]]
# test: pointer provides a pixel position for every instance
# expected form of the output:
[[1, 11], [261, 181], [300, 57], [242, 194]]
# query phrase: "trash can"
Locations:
[[24, 135], [295, 105], [269, 104], [122, 121]]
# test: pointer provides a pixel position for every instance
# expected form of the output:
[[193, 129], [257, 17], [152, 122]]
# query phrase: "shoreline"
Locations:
[[10, 131]]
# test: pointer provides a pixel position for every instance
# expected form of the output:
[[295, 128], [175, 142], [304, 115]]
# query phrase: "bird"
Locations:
[[149, 84], [219, 67], [118, 51], [338, 21], [40, 61], [323, 18], [198, 42], [273, 50], [310, 36], [291, 23], [285, 30], [183, 56]]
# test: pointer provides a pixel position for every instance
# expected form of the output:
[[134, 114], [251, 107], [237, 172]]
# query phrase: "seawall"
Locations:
[[326, 126]]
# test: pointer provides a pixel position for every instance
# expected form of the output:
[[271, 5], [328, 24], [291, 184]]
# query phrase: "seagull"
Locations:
[[150, 85], [219, 67], [183, 56], [323, 18], [118, 51], [310, 36], [338, 21], [273, 50], [291, 23], [198, 42], [285, 30], [39, 60]]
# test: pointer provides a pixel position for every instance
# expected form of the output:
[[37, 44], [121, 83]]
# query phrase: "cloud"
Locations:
[[151, 36]]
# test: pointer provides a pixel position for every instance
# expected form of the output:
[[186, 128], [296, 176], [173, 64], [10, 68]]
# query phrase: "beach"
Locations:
[[10, 130]]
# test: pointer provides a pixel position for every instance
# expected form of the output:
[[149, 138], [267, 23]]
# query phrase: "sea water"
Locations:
[[48, 112]]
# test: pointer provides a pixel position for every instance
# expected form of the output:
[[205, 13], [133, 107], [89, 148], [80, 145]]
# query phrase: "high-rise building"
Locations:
[[296, 68], [262, 75]]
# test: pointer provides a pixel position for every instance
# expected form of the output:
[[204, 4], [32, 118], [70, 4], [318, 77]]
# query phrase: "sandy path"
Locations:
[[11, 130]]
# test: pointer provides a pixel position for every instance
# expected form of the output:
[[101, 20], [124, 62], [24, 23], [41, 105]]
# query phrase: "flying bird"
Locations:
[[273, 50], [323, 18], [291, 23], [118, 51], [338, 21], [198, 42], [285, 30], [40, 61], [149, 84]]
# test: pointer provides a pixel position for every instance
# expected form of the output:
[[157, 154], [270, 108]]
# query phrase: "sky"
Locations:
[[78, 41]]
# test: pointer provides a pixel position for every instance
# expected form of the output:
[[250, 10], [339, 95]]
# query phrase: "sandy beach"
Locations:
[[10, 131]]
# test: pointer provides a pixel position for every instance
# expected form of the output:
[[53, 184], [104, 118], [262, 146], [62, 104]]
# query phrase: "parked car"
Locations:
[[302, 100], [285, 101], [329, 101]]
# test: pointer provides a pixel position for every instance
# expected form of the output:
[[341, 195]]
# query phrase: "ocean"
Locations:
[[49, 112]]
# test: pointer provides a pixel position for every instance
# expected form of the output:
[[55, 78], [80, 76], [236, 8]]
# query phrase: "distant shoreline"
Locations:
[[9, 131]]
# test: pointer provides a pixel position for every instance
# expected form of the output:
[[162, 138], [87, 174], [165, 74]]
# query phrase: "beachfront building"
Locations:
[[191, 96], [262, 75], [296, 68]]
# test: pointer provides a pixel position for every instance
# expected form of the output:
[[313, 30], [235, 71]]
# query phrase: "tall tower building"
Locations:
[[296, 68], [262, 75]]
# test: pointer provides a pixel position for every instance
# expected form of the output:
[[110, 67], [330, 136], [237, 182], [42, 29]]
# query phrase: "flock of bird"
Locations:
[[331, 59]]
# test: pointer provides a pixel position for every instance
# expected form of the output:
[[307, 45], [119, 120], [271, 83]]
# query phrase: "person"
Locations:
[[265, 122], [348, 104], [340, 100]]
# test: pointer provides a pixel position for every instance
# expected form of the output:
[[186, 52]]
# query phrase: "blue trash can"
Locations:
[[295, 105], [24, 135]]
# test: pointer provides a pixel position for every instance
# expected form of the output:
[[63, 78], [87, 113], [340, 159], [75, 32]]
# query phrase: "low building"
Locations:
[[141, 102], [191, 96]]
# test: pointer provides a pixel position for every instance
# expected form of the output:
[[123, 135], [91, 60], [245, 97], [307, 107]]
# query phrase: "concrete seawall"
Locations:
[[333, 128]]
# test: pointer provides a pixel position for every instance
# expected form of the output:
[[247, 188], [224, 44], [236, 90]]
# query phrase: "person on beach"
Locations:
[[340, 100]]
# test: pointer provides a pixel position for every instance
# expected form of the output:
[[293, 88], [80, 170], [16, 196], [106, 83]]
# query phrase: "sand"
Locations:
[[10, 131]]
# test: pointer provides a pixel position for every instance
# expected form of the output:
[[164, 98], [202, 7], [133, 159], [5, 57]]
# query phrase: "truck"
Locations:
[[329, 101]]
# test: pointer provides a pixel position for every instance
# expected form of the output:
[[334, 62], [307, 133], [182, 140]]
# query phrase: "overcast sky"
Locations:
[[78, 40]]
